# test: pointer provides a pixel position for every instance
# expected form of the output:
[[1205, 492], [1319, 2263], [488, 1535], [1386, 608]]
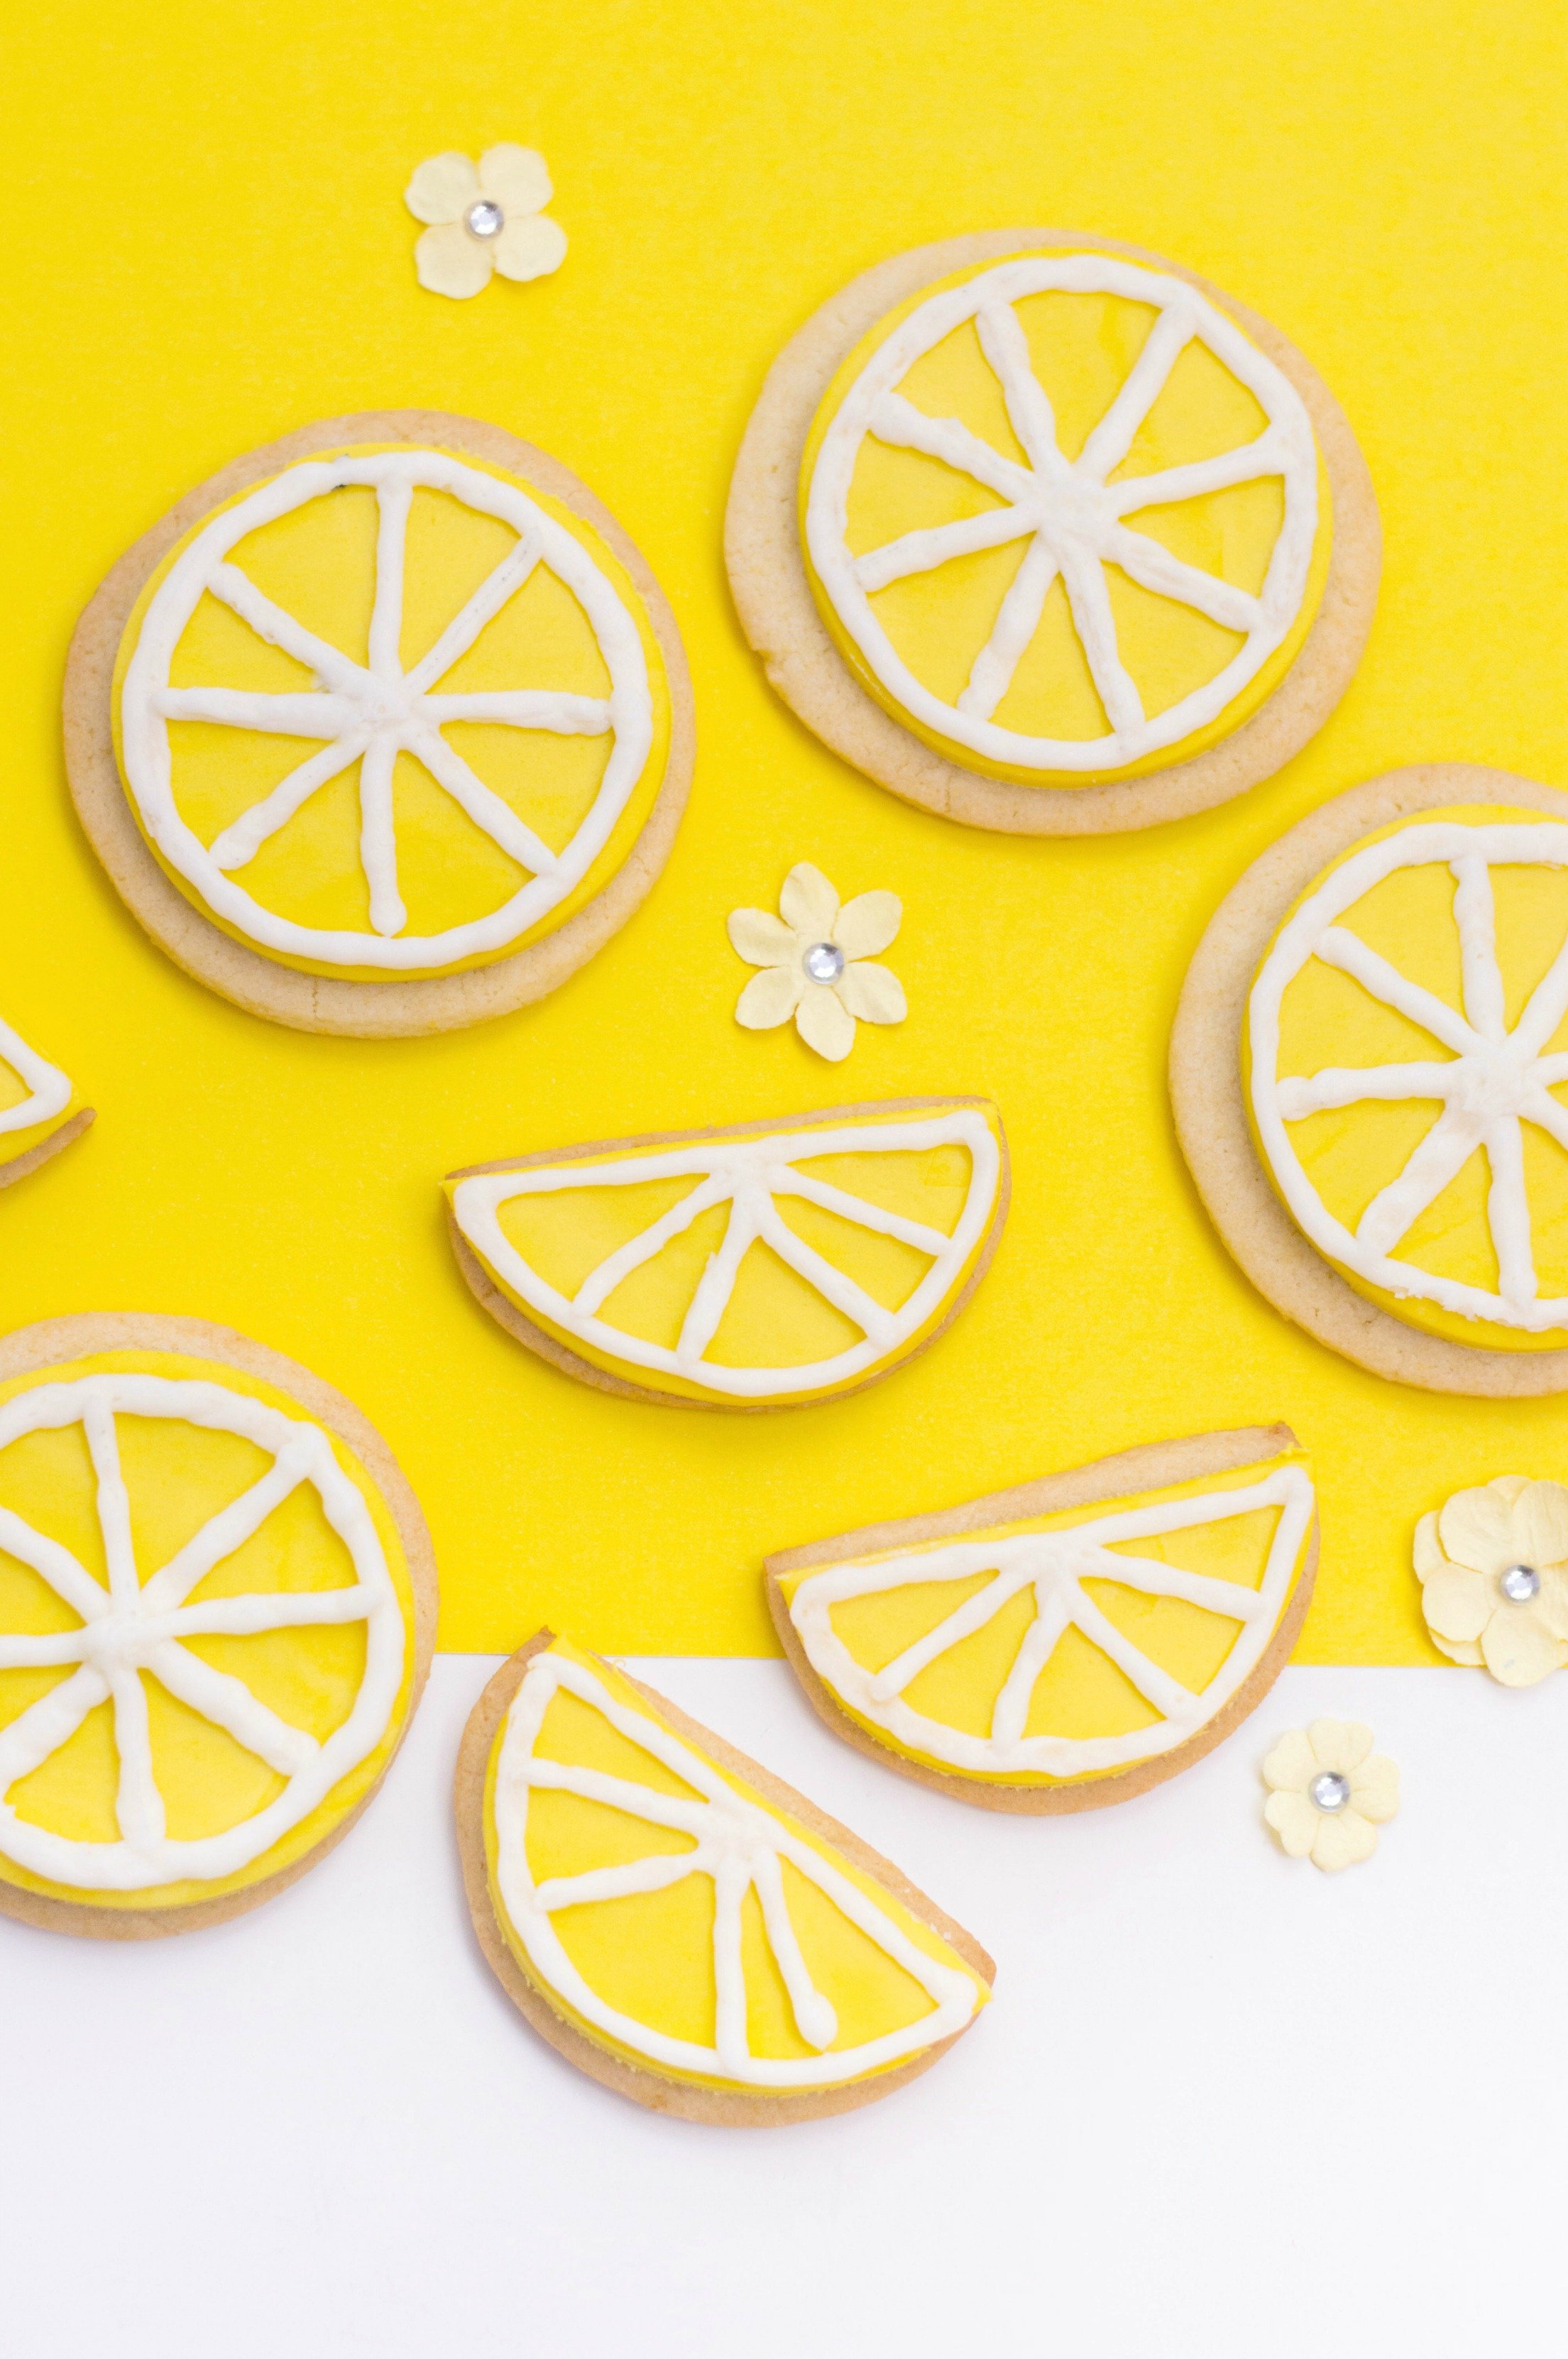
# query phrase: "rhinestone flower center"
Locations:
[[1521, 1583], [484, 218], [823, 962], [1330, 1791]]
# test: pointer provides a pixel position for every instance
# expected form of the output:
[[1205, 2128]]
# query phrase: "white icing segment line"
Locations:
[[133, 1629], [1054, 1566], [369, 714], [48, 1091], [1494, 1081], [1073, 516], [740, 1848], [748, 1175]]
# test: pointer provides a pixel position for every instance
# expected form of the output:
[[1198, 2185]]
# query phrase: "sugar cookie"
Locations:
[[217, 1609], [1069, 1642], [679, 1923], [1365, 1069], [40, 1108], [385, 729], [754, 1266], [1150, 652]]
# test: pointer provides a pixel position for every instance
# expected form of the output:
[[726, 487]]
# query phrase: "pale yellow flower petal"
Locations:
[[1517, 1647], [1375, 1789], [1509, 1486], [768, 999], [1541, 1523], [760, 938], [531, 246], [808, 903], [1458, 1650], [1294, 1821], [1343, 1837], [872, 993], [1340, 1745], [824, 1023], [1552, 1602], [516, 177], [1476, 1528], [1456, 1603], [867, 924], [1428, 1556], [450, 262], [441, 189], [1292, 1764]]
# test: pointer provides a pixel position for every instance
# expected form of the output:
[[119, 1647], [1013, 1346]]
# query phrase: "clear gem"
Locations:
[[1330, 1791], [486, 218], [823, 962], [1521, 1583]]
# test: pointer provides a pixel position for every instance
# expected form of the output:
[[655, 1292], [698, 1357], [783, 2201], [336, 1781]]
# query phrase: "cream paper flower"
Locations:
[[1493, 1564], [816, 962], [1329, 1792], [483, 218]]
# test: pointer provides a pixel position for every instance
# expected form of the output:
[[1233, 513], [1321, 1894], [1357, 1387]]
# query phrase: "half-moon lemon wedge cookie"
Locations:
[[385, 729], [753, 1268], [1370, 1076], [217, 1609], [40, 1108], [1070, 1642], [680, 1924], [1048, 535]]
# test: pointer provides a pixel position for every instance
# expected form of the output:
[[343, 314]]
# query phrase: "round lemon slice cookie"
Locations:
[[217, 1609], [385, 729], [1069, 1642], [1047, 534], [1369, 1069], [680, 1924], [40, 1108], [754, 1267]]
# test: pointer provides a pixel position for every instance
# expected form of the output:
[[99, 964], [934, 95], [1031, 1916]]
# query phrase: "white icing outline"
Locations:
[[1072, 515], [737, 1844], [378, 710], [746, 1173], [134, 1628], [1491, 1082], [1055, 1564], [48, 1090]]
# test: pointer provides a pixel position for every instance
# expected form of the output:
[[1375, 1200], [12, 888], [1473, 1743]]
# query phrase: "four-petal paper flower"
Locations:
[[483, 218], [1493, 1564], [1329, 1792], [817, 962]]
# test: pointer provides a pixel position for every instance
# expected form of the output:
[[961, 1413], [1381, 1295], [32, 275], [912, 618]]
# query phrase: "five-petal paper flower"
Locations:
[[484, 217], [1493, 1564], [1329, 1792], [817, 962]]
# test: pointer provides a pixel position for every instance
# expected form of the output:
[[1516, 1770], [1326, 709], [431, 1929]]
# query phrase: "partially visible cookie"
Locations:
[[217, 1609], [679, 1923], [1047, 534], [385, 729], [1071, 1641], [40, 1108], [758, 1266], [1367, 1069]]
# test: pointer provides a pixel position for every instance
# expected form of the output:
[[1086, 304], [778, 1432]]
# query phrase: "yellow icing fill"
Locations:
[[318, 562], [651, 1955], [775, 1318], [1080, 1692], [1351, 1152], [176, 1476], [1081, 348]]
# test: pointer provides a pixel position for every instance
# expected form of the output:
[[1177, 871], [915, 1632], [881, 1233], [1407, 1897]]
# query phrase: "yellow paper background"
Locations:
[[206, 246]]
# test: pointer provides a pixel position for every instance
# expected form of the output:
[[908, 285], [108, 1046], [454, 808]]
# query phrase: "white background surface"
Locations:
[[1221, 2105]]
